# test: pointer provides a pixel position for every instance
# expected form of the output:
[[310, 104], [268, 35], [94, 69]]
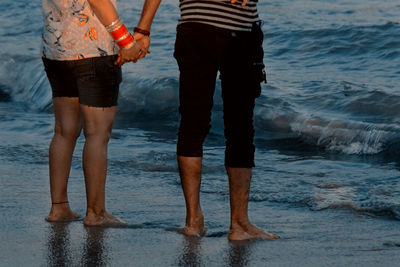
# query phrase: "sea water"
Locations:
[[327, 122]]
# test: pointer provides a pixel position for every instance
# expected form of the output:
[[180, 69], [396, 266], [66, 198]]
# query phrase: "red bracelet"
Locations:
[[120, 34], [126, 41], [139, 30]]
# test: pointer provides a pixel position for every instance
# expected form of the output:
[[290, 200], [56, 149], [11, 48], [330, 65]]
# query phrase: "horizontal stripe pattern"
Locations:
[[220, 13]]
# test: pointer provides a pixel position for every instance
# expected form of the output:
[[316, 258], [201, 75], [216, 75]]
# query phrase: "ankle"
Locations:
[[195, 220], [242, 222], [95, 211], [59, 207]]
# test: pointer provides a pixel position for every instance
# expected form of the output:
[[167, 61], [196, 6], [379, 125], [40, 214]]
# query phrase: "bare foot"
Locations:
[[62, 213], [103, 220], [194, 231], [195, 228], [248, 231]]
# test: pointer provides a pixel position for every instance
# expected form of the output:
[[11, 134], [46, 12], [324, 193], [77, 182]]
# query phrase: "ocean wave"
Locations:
[[348, 40], [336, 135], [149, 98], [346, 136], [339, 117], [25, 82], [4, 96], [336, 196], [347, 119], [380, 203], [375, 103]]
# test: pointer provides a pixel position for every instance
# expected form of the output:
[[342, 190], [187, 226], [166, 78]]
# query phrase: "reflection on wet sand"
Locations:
[[95, 252], [190, 255], [239, 253], [59, 251]]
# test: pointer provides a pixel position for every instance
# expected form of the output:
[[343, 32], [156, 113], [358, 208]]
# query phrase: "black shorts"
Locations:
[[95, 81]]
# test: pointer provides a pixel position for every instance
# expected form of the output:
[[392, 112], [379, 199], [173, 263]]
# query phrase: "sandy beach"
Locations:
[[324, 238], [327, 175], [143, 189]]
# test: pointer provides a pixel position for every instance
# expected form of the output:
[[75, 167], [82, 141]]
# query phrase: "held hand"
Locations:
[[144, 41], [243, 3], [129, 55]]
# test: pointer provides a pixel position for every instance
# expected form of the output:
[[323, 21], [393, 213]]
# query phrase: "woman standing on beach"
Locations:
[[84, 71]]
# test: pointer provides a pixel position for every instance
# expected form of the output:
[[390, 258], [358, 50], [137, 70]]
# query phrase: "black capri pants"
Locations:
[[201, 51]]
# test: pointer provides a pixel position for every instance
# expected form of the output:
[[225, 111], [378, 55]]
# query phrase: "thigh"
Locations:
[[67, 116], [198, 67], [238, 93], [241, 62], [238, 108], [196, 90], [239, 89]]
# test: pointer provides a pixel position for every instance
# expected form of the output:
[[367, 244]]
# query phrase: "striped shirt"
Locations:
[[220, 13]]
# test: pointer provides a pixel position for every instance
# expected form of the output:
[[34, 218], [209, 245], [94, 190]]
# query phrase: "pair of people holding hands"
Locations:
[[84, 71]]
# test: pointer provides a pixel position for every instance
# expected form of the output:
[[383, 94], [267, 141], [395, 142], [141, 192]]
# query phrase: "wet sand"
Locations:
[[143, 189], [156, 211], [333, 79]]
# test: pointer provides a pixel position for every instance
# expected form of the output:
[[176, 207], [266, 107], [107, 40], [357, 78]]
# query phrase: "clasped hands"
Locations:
[[141, 46], [138, 51]]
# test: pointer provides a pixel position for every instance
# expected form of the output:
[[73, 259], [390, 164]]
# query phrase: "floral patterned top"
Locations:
[[72, 31]]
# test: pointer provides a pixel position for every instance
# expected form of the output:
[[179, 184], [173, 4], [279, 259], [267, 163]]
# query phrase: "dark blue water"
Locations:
[[327, 122]]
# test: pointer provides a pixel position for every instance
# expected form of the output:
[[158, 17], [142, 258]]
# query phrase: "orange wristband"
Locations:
[[119, 32], [125, 41]]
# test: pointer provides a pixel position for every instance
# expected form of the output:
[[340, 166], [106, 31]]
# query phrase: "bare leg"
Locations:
[[241, 227], [190, 172], [97, 129], [66, 131]]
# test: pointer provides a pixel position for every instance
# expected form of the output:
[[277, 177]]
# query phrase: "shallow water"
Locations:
[[328, 140]]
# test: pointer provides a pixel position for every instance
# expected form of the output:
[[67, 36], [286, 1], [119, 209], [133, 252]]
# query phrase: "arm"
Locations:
[[104, 10], [107, 14], [148, 12]]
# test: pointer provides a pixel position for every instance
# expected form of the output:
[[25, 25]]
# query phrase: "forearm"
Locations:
[[107, 14], [149, 10], [104, 10]]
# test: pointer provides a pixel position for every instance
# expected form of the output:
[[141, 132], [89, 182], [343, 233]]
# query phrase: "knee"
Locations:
[[193, 130], [97, 133], [239, 156], [70, 133], [239, 135], [239, 125], [239, 145], [190, 141], [195, 120]]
